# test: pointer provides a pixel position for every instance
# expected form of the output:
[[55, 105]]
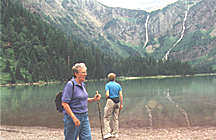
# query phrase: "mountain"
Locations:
[[184, 30]]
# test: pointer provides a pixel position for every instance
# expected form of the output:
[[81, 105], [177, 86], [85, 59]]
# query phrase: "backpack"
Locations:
[[58, 100]]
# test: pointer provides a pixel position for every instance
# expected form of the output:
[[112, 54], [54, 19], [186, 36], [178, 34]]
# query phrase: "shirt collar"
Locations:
[[76, 84]]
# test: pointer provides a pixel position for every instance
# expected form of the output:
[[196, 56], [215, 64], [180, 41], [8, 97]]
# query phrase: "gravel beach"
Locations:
[[44, 133]]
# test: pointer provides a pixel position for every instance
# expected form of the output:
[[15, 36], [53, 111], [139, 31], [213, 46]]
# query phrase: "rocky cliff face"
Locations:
[[166, 32], [201, 20]]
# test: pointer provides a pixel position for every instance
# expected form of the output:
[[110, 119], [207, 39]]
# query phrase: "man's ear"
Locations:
[[75, 74]]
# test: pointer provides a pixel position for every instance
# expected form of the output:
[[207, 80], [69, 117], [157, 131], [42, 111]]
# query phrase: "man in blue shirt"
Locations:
[[75, 103], [113, 106]]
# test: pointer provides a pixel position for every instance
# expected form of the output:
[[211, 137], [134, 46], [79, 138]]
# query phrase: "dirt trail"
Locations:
[[43, 133]]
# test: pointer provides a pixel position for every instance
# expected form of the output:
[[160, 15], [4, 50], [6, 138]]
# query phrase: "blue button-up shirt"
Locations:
[[77, 99]]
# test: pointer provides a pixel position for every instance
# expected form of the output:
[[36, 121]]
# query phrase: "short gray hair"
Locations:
[[77, 66]]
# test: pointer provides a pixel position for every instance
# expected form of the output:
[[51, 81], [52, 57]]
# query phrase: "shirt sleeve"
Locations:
[[67, 93], [106, 87], [120, 88]]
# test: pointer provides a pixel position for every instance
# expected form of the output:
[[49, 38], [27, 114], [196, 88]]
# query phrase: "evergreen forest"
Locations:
[[33, 50]]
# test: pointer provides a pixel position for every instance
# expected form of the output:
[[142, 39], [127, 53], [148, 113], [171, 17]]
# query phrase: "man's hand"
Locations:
[[97, 96], [121, 106], [76, 121], [69, 112]]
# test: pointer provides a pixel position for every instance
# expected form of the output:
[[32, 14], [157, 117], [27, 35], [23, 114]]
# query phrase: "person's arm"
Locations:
[[96, 98], [70, 113], [121, 100], [107, 94], [66, 98]]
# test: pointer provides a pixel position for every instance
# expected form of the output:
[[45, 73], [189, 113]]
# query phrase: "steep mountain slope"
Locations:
[[199, 43], [184, 30]]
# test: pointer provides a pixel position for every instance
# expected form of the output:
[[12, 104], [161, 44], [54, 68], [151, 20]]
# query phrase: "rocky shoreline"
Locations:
[[120, 79], [44, 133]]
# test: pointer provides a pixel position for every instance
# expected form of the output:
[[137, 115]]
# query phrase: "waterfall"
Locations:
[[182, 35], [146, 26]]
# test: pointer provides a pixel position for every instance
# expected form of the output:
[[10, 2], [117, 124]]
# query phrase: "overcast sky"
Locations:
[[138, 4]]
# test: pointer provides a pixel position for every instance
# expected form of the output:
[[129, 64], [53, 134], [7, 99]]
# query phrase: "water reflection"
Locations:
[[170, 102]]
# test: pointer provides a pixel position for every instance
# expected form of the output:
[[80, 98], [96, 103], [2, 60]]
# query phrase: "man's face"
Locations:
[[81, 75]]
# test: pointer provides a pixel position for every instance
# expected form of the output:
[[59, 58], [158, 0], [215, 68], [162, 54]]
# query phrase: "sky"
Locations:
[[147, 5]]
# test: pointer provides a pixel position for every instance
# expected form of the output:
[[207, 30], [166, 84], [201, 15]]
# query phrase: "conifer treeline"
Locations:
[[32, 50]]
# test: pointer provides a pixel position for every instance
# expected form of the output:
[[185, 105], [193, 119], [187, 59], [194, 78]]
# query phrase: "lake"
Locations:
[[148, 102]]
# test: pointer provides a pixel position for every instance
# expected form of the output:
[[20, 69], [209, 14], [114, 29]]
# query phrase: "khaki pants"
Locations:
[[111, 112]]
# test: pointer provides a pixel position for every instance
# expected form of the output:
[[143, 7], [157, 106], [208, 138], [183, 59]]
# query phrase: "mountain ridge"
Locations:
[[121, 31]]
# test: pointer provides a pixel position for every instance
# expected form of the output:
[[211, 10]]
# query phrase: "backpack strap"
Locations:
[[72, 89]]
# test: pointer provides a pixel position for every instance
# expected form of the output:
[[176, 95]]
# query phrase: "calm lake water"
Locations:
[[168, 102]]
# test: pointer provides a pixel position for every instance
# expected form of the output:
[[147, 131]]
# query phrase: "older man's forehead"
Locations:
[[82, 69]]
